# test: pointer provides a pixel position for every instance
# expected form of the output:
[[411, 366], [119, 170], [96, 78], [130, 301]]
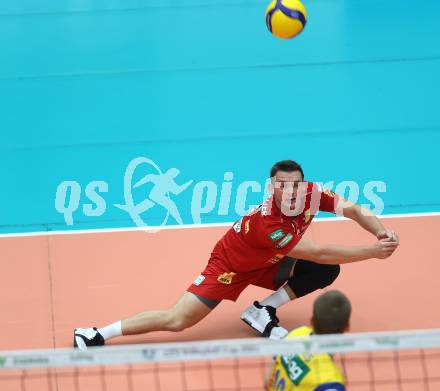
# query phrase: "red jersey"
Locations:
[[265, 235]]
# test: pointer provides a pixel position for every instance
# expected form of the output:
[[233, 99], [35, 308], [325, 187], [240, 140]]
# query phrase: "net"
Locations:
[[385, 361]]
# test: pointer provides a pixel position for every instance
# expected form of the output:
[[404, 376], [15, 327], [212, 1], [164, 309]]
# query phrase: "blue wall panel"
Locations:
[[202, 86]]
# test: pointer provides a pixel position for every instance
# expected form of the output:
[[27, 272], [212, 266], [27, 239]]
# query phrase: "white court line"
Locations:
[[186, 226]]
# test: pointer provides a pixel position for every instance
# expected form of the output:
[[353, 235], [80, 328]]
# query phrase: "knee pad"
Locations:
[[331, 274], [309, 281]]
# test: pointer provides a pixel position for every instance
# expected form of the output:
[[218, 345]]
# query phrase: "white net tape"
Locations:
[[220, 349]]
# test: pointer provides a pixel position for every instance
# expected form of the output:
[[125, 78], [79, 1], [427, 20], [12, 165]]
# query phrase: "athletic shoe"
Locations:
[[84, 338], [263, 319]]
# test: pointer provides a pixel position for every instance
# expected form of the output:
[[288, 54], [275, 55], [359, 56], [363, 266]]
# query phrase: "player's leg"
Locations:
[[261, 316], [305, 277], [294, 279], [189, 310], [309, 276]]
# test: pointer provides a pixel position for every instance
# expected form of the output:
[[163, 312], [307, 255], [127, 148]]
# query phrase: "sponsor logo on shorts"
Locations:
[[276, 258], [275, 235], [246, 227], [199, 280], [285, 240], [226, 278]]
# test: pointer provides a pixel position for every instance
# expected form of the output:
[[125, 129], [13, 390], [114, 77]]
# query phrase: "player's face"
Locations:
[[288, 190]]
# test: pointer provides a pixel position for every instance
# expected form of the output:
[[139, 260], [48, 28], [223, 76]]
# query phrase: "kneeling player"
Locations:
[[265, 248]]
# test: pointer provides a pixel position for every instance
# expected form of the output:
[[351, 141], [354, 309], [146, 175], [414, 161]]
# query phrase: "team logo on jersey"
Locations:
[[226, 278], [285, 240], [276, 235], [199, 280], [246, 227], [296, 368]]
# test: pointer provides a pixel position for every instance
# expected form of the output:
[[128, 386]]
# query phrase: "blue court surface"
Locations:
[[88, 87]]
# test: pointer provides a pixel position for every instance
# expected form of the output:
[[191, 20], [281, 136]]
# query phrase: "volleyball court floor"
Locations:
[[50, 284]]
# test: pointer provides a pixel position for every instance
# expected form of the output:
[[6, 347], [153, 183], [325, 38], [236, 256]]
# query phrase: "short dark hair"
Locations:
[[331, 313], [287, 166]]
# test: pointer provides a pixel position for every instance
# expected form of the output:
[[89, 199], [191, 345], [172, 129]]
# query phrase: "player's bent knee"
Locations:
[[178, 322], [321, 277], [327, 274], [178, 325]]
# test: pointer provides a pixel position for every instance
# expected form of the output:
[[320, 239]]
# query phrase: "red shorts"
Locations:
[[216, 284]]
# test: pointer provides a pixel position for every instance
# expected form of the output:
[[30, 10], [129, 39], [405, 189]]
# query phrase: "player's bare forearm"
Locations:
[[367, 220], [338, 255], [364, 217], [333, 254]]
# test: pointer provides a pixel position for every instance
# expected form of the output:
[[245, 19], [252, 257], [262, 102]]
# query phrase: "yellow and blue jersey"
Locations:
[[317, 372]]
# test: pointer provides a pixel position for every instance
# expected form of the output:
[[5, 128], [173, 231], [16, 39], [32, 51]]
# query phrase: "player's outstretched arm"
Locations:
[[333, 254], [366, 219]]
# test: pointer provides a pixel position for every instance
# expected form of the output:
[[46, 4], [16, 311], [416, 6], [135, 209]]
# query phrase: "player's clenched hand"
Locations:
[[388, 234], [384, 248]]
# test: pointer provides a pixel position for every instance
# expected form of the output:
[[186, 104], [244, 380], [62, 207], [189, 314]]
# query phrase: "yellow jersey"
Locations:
[[317, 372]]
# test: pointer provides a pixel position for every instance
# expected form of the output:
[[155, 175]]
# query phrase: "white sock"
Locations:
[[277, 299], [112, 330]]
